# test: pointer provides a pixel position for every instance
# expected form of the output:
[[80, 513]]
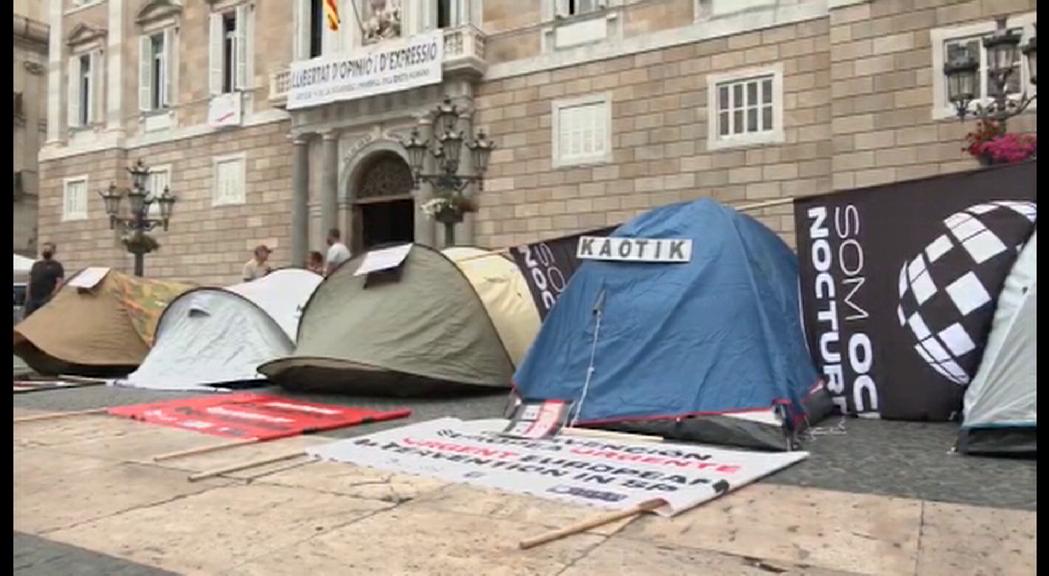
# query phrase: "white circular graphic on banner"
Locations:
[[952, 267]]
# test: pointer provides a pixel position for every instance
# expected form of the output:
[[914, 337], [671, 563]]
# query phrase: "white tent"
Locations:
[[1001, 413], [213, 336], [22, 267]]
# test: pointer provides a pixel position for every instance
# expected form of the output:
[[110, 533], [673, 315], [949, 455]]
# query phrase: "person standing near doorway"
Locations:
[[45, 279], [257, 267], [337, 251]]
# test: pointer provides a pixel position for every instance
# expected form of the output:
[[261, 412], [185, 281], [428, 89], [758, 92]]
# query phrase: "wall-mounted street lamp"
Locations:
[[137, 223], [449, 205], [963, 76]]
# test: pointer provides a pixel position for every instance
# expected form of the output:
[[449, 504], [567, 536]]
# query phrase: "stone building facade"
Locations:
[[30, 120], [600, 110]]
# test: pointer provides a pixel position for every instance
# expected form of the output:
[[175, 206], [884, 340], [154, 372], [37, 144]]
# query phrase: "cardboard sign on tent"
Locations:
[[439, 322], [213, 336], [711, 350], [105, 330], [1001, 403]]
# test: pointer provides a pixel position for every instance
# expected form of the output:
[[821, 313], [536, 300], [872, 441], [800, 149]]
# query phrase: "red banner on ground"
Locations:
[[249, 415]]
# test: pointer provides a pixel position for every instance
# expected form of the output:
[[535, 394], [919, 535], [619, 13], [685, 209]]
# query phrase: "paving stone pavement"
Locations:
[[885, 498]]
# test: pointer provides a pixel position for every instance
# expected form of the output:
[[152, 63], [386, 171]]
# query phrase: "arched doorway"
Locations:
[[383, 203]]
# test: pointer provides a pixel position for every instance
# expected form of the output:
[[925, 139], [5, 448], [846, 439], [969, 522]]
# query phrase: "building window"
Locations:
[[74, 199], [444, 13], [969, 38], [316, 27], [155, 70], [85, 85], [159, 179], [229, 180], [85, 90], [745, 108], [229, 51], [582, 131]]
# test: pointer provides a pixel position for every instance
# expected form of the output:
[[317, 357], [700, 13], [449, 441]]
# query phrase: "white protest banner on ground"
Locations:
[[389, 66], [588, 471], [383, 259], [665, 250]]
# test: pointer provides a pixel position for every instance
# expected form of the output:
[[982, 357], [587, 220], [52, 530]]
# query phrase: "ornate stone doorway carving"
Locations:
[[382, 203]]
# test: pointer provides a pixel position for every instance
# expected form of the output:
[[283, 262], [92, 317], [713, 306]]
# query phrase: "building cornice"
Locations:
[[728, 25], [83, 34], [158, 10], [30, 30]]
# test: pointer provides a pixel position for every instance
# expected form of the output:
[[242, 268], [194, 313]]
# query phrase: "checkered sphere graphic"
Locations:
[[948, 291]]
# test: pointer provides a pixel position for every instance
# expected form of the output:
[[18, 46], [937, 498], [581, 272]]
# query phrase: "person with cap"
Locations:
[[257, 267]]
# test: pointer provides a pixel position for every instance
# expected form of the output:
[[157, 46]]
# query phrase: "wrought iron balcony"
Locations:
[[463, 54]]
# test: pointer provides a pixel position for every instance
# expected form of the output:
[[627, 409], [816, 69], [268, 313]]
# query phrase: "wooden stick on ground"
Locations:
[[204, 449], [632, 512], [610, 435], [56, 415], [244, 465]]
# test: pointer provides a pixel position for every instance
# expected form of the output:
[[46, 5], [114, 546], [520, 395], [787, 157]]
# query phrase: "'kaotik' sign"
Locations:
[[635, 249]]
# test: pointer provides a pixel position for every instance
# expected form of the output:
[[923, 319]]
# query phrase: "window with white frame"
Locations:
[[230, 50], [582, 130], [159, 179], [74, 199], [745, 108], [577, 7], [229, 180], [314, 36], [969, 38], [155, 70], [85, 89]]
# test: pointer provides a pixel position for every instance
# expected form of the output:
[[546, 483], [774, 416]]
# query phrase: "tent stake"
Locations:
[[204, 449], [56, 415], [244, 465], [632, 512]]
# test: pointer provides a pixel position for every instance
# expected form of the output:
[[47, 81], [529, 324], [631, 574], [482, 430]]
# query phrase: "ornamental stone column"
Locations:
[[300, 222], [330, 182]]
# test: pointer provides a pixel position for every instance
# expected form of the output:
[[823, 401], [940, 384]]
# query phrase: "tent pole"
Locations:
[[203, 449], [632, 512], [244, 465]]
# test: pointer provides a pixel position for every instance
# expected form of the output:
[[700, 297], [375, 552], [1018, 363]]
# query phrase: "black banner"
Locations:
[[899, 284], [548, 265]]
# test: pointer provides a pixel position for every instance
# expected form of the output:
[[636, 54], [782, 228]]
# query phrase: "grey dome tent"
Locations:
[[208, 337], [1001, 403], [439, 322]]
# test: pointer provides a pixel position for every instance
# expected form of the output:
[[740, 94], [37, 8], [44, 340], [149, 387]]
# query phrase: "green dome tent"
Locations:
[[440, 322]]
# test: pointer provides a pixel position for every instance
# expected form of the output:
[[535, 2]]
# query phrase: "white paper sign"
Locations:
[[595, 472], [89, 278], [224, 110], [383, 259], [634, 249], [389, 66]]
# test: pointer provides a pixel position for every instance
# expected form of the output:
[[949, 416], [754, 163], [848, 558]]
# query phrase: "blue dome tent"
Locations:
[[711, 350]]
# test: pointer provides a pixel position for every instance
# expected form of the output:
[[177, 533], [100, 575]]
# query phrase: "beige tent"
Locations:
[[102, 327], [440, 322]]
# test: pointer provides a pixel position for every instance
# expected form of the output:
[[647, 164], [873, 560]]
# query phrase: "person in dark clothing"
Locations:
[[45, 279]]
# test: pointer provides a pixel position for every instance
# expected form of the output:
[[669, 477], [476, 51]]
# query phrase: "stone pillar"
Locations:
[[55, 67], [300, 179], [330, 182], [425, 228], [115, 67]]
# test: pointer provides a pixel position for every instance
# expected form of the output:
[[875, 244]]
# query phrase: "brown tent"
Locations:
[[104, 329]]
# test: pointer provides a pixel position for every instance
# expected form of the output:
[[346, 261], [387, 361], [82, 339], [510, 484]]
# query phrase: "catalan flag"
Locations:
[[331, 11]]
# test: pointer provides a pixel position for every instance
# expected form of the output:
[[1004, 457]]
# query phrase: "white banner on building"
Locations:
[[388, 66], [588, 471], [634, 249]]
